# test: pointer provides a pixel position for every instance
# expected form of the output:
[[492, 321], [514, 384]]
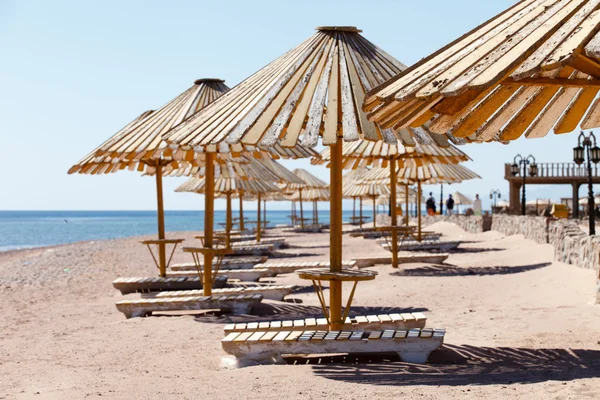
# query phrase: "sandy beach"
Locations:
[[518, 326]]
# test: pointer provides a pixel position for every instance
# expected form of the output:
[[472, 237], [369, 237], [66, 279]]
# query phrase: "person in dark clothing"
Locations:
[[430, 204], [450, 205]]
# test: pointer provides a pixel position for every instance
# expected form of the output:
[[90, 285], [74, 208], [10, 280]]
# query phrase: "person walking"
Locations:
[[450, 205], [430, 204], [477, 205]]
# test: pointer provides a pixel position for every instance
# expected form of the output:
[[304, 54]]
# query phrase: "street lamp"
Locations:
[[587, 144], [494, 196], [522, 162]]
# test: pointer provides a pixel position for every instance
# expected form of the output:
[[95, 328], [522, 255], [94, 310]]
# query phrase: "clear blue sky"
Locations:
[[75, 72]]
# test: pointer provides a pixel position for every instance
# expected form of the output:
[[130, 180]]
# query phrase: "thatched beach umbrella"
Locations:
[[312, 195], [371, 190], [350, 179], [314, 90], [243, 176], [425, 148], [308, 182], [139, 146], [412, 173], [530, 69], [461, 200]]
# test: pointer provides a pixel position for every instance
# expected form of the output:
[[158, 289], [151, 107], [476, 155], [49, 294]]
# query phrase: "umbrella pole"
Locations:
[[301, 212], [317, 212], [265, 214], [360, 217], [419, 210], [209, 211], [353, 209], [406, 204], [228, 221], [393, 213], [335, 236], [162, 255], [374, 213], [258, 227], [241, 212]]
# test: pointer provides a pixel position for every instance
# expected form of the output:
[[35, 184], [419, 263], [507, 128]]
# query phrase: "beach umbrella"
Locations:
[[243, 176], [502, 204], [530, 69], [584, 201], [461, 199], [308, 181], [412, 172], [349, 181], [370, 190], [312, 195], [424, 148], [139, 146], [314, 90]]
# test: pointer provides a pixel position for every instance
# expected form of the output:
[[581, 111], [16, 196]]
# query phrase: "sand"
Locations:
[[518, 326]]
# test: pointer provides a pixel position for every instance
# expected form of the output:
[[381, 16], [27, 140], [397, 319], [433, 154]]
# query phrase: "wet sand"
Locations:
[[518, 326]]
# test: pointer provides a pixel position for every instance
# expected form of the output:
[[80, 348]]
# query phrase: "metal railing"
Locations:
[[560, 170]]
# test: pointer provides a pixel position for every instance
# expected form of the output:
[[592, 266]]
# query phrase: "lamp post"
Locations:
[[522, 162], [587, 145], [494, 196]]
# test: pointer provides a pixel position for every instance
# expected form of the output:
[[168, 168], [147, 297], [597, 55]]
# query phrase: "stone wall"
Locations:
[[533, 228], [571, 244]]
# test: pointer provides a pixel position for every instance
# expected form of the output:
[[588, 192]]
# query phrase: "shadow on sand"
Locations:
[[465, 365], [452, 270], [469, 250]]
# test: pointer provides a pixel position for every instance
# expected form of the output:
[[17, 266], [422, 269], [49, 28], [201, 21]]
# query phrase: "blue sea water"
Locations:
[[26, 229]]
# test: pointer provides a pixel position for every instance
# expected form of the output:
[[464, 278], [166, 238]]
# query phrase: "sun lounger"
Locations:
[[276, 242], [237, 304], [412, 345], [253, 250], [157, 284], [227, 263], [371, 234], [425, 245], [312, 228], [276, 268], [430, 258], [368, 322], [271, 292], [248, 275]]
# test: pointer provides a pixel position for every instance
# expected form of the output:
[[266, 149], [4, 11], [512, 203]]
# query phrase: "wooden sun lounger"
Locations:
[[228, 263], [367, 322], [370, 234], [253, 250], [276, 242], [412, 345], [312, 228], [425, 245], [430, 258], [237, 304], [270, 292], [157, 284], [248, 275], [276, 268]]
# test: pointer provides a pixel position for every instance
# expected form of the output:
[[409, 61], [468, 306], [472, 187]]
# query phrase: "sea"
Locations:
[[28, 229]]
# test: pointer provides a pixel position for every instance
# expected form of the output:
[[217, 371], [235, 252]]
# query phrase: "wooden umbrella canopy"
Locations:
[[139, 146], [246, 176], [314, 90], [349, 183], [308, 182], [461, 200], [530, 69]]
